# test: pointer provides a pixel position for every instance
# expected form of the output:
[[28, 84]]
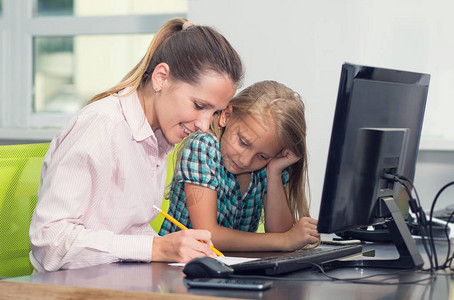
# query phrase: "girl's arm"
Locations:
[[278, 217], [202, 208]]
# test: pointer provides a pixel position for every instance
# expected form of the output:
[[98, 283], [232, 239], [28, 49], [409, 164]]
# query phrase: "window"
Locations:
[[54, 7], [83, 8], [57, 54], [69, 70]]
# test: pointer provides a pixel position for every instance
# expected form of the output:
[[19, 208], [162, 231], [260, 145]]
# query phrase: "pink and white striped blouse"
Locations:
[[100, 179]]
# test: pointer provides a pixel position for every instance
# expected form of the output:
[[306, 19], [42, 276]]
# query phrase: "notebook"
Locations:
[[295, 261]]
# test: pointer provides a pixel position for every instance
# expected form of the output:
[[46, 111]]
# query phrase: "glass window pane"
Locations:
[[1, 8], [69, 71], [108, 7], [55, 7]]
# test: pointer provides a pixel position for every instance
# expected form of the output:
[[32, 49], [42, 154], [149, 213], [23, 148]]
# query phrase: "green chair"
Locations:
[[157, 222], [20, 167]]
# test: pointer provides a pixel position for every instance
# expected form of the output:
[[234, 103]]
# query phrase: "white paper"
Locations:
[[228, 260]]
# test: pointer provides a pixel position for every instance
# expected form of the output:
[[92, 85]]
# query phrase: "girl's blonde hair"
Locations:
[[189, 53], [270, 99]]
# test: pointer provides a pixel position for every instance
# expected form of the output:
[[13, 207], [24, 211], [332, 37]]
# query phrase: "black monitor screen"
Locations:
[[369, 97]]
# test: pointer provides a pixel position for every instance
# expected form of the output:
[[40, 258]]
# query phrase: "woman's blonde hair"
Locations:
[[189, 53], [270, 99]]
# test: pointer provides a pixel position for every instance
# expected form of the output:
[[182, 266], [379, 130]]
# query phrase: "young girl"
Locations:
[[105, 170], [255, 156]]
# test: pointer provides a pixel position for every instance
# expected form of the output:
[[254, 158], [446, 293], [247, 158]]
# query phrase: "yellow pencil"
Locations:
[[182, 227]]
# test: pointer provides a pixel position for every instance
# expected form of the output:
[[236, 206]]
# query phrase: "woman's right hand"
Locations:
[[182, 246], [302, 233]]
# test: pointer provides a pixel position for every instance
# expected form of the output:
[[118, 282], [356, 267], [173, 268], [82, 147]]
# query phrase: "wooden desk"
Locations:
[[161, 281]]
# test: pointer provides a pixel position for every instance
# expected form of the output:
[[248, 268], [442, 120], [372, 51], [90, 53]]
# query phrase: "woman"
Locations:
[[106, 169]]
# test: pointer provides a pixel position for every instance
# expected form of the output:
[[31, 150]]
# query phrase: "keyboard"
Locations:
[[295, 261]]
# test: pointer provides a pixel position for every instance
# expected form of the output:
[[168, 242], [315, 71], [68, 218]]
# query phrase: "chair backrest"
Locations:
[[20, 168], [157, 222]]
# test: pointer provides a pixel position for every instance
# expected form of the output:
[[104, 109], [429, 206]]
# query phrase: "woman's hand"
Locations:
[[302, 233], [284, 159], [182, 246]]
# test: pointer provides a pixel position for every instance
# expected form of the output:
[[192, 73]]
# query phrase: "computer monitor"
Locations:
[[376, 130]]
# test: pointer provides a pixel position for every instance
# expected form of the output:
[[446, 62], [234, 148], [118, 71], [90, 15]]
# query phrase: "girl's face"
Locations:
[[248, 145], [183, 108]]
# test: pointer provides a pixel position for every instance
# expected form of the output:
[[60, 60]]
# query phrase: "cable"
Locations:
[[432, 211], [361, 280], [416, 208], [448, 261], [420, 218], [404, 178]]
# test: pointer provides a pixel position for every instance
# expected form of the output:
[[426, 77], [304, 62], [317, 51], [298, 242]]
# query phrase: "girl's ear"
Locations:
[[160, 76], [226, 114]]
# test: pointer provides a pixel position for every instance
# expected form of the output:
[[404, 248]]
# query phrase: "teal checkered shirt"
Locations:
[[201, 164]]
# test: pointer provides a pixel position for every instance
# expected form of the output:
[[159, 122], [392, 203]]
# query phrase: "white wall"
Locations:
[[433, 170], [304, 43]]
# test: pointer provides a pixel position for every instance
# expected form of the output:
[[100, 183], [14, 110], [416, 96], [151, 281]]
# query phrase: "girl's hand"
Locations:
[[282, 161], [182, 246], [302, 233]]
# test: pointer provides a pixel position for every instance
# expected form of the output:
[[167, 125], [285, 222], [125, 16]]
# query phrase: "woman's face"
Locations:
[[182, 108]]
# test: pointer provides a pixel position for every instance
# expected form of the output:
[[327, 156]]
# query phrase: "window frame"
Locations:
[[18, 28]]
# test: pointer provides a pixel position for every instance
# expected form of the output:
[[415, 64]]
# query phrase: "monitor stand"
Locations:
[[409, 256]]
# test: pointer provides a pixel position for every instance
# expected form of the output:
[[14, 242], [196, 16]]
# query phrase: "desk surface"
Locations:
[[166, 281]]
